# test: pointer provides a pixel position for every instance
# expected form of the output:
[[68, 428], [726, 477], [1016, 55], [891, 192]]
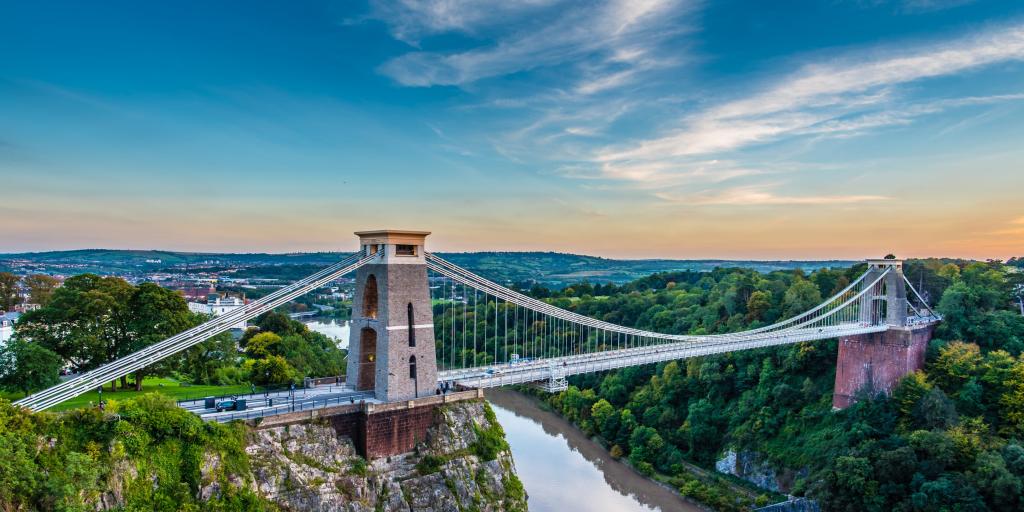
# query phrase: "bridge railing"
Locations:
[[177, 343], [485, 342]]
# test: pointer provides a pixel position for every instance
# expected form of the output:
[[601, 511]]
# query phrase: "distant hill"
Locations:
[[550, 268], [558, 268]]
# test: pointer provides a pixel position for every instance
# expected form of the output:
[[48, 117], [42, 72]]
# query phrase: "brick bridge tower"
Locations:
[[391, 347], [876, 362]]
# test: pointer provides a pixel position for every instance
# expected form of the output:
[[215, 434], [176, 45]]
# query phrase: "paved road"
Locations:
[[284, 402]]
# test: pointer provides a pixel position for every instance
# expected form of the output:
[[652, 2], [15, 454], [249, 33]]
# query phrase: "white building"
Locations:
[[7, 326], [217, 306]]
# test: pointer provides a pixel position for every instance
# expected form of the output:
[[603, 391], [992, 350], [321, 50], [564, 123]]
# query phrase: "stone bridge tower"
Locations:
[[876, 362], [391, 346]]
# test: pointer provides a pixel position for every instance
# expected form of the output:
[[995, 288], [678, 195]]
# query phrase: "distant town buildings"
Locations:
[[216, 305], [25, 308]]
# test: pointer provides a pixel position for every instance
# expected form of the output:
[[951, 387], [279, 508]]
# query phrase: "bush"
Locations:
[[430, 464], [229, 376]]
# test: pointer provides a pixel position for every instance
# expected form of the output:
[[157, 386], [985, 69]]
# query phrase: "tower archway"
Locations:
[[367, 359]]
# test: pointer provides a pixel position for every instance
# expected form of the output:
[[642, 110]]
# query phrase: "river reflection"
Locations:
[[562, 470], [334, 329]]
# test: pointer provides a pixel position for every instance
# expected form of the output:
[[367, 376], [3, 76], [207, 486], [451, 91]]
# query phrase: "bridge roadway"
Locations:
[[536, 371], [316, 397], [561, 367]]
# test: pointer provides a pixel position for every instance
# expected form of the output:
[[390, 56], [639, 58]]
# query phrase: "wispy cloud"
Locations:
[[412, 20], [917, 6], [613, 61], [609, 41], [832, 98], [760, 196], [844, 97]]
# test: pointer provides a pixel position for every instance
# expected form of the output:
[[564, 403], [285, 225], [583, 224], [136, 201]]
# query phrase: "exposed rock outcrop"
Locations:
[[748, 466], [309, 467]]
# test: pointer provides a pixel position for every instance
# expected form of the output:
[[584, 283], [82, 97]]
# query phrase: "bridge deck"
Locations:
[[317, 397], [556, 368]]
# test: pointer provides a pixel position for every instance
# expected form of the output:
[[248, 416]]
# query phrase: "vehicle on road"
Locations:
[[227, 405]]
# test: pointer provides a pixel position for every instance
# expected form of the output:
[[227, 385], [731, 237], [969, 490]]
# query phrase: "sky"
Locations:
[[633, 129]]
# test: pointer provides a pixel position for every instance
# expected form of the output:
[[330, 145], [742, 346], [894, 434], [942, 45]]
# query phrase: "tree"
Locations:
[[907, 394], [602, 414], [802, 296], [758, 304], [1013, 401], [86, 321], [154, 313], [847, 485], [40, 288], [8, 290], [92, 320], [702, 432], [28, 367], [957, 362], [270, 370], [263, 345], [213, 361], [935, 411]]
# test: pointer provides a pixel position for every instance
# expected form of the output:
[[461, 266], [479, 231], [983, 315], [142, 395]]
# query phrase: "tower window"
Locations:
[[405, 250], [412, 367], [412, 330], [370, 297]]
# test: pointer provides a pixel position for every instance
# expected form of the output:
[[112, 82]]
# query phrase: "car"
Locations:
[[227, 405]]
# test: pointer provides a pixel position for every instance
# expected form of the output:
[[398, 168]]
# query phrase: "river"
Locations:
[[335, 329], [562, 470]]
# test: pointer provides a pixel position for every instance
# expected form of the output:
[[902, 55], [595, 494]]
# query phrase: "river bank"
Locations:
[[562, 469]]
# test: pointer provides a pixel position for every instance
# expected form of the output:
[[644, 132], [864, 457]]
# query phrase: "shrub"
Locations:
[[430, 464]]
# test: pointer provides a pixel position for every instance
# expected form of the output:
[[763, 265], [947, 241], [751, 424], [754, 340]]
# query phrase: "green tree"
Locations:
[[957, 362], [935, 411], [1013, 401], [8, 291], [848, 485], [601, 413], [92, 320], [907, 394], [263, 345], [40, 288], [155, 313], [270, 370], [86, 321], [28, 367], [758, 304], [703, 435], [802, 296], [214, 361]]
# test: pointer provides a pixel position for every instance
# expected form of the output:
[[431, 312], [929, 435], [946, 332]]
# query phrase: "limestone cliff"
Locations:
[[464, 464]]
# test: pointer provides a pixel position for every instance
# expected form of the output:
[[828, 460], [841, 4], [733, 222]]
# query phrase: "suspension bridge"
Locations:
[[421, 324]]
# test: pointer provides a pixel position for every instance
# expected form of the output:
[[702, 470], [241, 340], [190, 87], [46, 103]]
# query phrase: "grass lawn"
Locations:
[[168, 387]]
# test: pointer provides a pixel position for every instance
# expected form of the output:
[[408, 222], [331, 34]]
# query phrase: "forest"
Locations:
[[949, 438]]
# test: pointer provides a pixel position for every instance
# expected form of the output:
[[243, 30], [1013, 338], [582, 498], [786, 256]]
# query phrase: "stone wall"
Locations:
[[876, 362], [377, 430]]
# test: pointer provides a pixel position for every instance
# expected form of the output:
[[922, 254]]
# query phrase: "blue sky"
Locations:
[[652, 128]]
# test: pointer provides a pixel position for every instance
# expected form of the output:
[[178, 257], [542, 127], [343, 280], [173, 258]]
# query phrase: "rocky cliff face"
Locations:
[[309, 467], [748, 466]]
